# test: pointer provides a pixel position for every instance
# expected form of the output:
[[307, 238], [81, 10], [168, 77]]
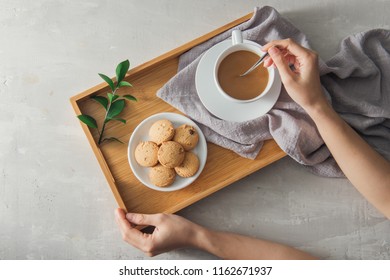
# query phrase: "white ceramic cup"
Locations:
[[238, 44]]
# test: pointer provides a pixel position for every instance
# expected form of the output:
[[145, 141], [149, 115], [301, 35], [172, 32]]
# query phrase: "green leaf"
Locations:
[[116, 108], [112, 97], [119, 120], [102, 100], [121, 70], [124, 84], [113, 139], [108, 81], [88, 120], [130, 97], [115, 97]]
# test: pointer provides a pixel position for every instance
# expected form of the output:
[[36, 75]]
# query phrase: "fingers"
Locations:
[[268, 62], [143, 219], [129, 234], [144, 242], [289, 45], [279, 60], [283, 54]]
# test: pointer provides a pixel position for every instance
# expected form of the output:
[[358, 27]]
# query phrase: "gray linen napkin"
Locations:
[[287, 123], [358, 80]]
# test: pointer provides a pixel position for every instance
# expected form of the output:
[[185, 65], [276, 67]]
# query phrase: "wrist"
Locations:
[[199, 235], [324, 113], [202, 238], [318, 109]]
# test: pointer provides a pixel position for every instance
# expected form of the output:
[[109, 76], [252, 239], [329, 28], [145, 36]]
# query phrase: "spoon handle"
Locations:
[[255, 65]]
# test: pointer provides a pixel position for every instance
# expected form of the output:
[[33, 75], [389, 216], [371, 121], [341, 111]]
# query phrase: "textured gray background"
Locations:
[[54, 200]]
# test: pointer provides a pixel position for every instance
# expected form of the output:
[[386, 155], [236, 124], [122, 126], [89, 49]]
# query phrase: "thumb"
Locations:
[[142, 219], [281, 64]]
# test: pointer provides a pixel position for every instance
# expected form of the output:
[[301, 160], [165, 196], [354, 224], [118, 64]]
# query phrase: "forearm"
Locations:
[[233, 246], [368, 171]]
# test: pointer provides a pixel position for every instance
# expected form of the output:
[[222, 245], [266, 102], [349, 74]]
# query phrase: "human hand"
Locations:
[[171, 231], [302, 81]]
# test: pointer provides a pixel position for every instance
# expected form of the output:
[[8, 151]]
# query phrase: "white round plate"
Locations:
[[220, 106], [141, 133]]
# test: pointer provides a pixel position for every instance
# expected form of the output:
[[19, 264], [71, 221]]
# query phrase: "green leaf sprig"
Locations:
[[113, 104]]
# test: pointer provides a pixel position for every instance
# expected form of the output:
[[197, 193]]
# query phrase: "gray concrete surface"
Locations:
[[54, 200]]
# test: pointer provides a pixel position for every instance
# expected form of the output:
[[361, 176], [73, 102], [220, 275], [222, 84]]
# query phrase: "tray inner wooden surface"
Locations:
[[222, 168]]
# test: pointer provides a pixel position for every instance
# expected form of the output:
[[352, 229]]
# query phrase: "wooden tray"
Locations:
[[223, 167]]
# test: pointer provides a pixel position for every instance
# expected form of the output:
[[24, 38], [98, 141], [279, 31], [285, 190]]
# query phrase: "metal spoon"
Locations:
[[255, 65]]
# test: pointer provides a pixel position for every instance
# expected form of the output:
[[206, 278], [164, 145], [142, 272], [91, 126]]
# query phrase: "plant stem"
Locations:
[[105, 119], [101, 134]]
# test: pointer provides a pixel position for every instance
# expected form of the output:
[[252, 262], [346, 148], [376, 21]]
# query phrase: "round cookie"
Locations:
[[189, 166], [161, 131], [170, 154], [146, 153], [187, 136], [162, 176]]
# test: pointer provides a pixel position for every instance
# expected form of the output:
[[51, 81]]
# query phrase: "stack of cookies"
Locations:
[[168, 152]]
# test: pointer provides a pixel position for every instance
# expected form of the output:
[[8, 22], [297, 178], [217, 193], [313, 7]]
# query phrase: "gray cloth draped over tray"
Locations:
[[357, 80]]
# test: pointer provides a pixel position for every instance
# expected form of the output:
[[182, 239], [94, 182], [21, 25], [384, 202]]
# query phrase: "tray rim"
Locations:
[[74, 100]]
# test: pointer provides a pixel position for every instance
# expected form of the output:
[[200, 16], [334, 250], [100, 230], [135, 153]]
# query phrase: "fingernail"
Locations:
[[273, 50]]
